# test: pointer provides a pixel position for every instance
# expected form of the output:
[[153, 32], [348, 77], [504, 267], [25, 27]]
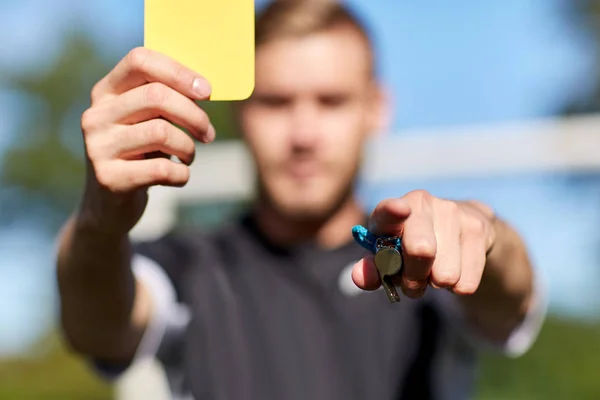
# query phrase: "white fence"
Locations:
[[225, 170]]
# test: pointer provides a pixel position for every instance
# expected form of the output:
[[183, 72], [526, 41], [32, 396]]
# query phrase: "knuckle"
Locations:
[[477, 226], [94, 149], [137, 58], [419, 194], [181, 74], [156, 94], [88, 120], [161, 170], [449, 207], [423, 249], [445, 278], [95, 93], [419, 198], [158, 132], [105, 176]]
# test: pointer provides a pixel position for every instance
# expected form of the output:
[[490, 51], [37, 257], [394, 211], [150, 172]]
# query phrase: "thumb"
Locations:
[[365, 274]]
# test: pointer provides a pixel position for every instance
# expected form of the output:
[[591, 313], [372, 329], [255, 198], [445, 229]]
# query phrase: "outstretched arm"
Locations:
[[127, 131], [461, 247]]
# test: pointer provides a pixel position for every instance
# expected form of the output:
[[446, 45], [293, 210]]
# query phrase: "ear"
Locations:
[[381, 109]]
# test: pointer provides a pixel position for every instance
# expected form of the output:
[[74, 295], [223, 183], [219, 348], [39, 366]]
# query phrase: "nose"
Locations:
[[305, 125]]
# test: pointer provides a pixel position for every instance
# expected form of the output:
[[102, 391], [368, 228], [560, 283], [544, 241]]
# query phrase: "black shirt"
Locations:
[[265, 322]]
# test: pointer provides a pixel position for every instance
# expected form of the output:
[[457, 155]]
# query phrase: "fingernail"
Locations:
[[211, 133], [202, 88]]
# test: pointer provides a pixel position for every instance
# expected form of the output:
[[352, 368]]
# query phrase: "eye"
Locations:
[[334, 100], [272, 101]]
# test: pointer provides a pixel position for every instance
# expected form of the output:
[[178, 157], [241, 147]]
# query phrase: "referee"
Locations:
[[281, 303]]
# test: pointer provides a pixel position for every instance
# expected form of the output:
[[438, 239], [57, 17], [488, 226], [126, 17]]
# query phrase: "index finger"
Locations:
[[142, 66], [388, 217]]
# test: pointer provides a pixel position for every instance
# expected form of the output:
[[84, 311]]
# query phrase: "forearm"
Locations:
[[506, 290], [101, 314]]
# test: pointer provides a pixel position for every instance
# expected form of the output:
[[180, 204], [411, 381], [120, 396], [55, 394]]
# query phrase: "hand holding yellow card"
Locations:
[[212, 37]]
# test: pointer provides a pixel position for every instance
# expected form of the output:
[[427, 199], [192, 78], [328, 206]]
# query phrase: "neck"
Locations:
[[331, 231]]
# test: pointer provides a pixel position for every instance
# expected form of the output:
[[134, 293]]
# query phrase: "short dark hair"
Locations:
[[299, 18]]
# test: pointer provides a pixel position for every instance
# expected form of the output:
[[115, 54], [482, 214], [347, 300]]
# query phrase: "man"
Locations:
[[261, 308]]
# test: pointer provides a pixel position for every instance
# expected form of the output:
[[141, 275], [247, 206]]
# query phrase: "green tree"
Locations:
[[43, 169], [41, 177], [584, 16], [41, 166]]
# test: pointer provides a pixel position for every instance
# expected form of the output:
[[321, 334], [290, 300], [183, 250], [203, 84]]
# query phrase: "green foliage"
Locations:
[[45, 164], [563, 364], [42, 164], [585, 16], [41, 178], [53, 374]]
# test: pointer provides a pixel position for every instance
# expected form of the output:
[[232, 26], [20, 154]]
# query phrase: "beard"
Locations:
[[308, 212]]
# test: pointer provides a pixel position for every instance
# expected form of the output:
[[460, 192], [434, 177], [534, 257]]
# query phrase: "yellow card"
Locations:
[[212, 37]]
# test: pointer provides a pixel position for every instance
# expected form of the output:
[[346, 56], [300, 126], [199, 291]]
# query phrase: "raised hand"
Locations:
[[129, 133]]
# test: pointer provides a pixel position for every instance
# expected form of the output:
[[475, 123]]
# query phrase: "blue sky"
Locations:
[[447, 63]]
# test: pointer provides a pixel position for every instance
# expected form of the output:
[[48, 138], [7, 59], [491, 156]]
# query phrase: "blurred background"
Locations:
[[491, 70]]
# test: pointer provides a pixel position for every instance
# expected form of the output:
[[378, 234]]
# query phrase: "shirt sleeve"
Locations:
[[168, 315], [523, 335]]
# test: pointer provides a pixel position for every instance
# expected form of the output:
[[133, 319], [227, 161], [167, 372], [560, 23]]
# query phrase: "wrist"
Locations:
[[83, 243], [110, 214], [88, 224]]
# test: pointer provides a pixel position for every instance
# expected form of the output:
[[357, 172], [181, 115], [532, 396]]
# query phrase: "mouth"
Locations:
[[302, 170]]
